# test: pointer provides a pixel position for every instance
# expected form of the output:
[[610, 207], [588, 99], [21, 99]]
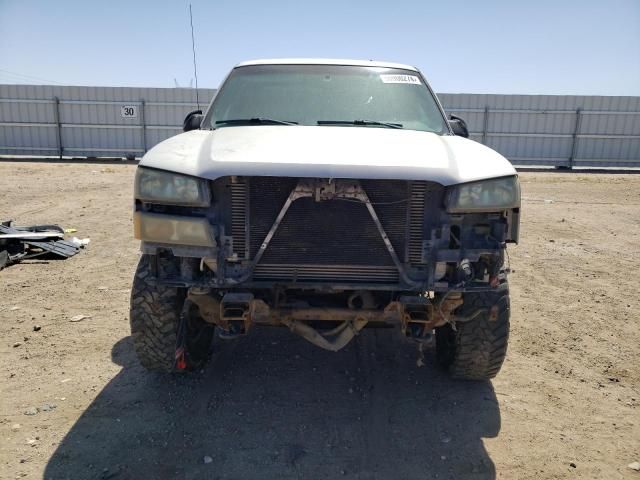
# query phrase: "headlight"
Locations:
[[484, 196], [159, 186], [176, 229]]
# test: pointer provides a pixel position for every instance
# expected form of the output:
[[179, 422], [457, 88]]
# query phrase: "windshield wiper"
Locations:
[[254, 121], [364, 123]]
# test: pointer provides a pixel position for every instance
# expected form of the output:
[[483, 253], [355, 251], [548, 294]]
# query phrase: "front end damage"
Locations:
[[327, 257]]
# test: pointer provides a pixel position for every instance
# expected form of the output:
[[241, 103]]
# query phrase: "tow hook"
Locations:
[[235, 313]]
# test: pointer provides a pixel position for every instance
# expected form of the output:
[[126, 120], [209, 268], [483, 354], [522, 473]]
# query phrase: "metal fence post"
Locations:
[[144, 127], [576, 132], [56, 116], [485, 126]]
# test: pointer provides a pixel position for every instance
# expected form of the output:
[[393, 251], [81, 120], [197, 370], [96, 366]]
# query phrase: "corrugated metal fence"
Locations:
[[543, 130], [554, 130], [91, 121]]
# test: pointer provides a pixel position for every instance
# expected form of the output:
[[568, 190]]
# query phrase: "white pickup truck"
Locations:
[[326, 196]]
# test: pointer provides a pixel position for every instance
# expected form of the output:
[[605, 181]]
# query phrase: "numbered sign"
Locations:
[[129, 111]]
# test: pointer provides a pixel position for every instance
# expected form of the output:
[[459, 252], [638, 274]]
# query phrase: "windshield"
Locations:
[[327, 95]]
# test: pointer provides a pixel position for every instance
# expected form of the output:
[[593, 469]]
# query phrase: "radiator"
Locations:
[[332, 240]]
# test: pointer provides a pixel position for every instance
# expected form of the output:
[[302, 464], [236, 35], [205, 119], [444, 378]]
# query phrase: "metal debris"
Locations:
[[22, 243]]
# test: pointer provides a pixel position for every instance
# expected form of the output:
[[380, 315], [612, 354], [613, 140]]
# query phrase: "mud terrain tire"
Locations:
[[155, 314], [477, 348]]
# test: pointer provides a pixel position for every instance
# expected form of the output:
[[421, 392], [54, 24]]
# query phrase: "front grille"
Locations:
[[331, 232], [266, 198], [390, 199], [345, 273], [333, 240]]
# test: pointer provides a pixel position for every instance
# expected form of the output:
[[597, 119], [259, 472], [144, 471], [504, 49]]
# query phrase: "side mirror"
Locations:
[[192, 121], [459, 126]]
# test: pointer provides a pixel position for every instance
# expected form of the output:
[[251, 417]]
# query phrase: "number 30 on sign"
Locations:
[[129, 111]]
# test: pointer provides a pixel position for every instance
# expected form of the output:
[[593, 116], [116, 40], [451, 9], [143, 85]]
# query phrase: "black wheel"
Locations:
[[476, 349], [160, 317]]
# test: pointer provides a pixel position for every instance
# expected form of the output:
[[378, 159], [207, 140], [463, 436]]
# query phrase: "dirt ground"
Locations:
[[566, 404]]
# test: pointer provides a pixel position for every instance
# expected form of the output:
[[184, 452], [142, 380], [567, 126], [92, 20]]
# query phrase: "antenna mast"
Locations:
[[193, 48]]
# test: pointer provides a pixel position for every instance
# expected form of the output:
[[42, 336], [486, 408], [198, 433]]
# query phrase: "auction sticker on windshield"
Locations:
[[411, 79]]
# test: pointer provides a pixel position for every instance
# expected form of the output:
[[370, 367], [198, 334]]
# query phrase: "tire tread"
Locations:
[[479, 346], [154, 315]]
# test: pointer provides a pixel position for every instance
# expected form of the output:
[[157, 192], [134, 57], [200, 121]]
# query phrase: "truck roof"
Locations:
[[325, 61]]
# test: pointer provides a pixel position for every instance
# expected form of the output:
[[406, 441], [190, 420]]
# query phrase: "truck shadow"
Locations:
[[273, 406]]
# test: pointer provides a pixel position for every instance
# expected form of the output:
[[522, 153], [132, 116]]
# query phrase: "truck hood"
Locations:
[[327, 152]]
